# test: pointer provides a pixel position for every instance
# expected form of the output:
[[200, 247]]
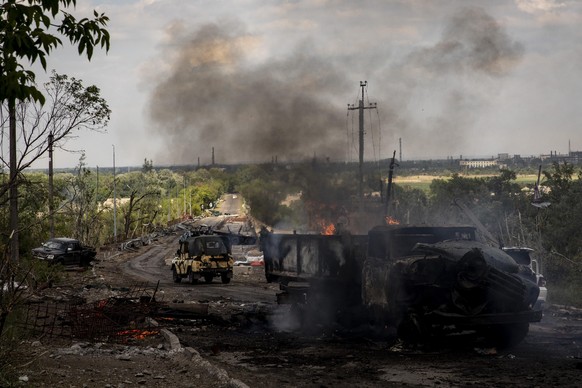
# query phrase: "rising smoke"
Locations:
[[210, 93], [212, 97], [444, 88]]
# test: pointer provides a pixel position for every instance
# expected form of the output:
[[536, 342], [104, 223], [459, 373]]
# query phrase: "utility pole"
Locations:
[[389, 185], [212, 156], [400, 145], [114, 201], [50, 182], [361, 108]]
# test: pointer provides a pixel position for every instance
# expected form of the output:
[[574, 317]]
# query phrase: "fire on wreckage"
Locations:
[[426, 281]]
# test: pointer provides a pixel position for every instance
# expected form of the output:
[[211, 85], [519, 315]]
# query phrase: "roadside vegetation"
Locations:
[[287, 196], [102, 206]]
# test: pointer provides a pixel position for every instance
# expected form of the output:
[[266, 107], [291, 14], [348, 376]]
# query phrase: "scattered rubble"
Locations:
[[231, 335]]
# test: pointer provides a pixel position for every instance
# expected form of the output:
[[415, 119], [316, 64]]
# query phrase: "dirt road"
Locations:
[[255, 342], [247, 340]]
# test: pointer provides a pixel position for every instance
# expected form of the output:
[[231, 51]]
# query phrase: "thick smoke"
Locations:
[[210, 94], [472, 43], [443, 89], [212, 97]]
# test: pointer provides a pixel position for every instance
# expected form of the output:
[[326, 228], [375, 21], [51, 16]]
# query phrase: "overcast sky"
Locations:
[[258, 79]]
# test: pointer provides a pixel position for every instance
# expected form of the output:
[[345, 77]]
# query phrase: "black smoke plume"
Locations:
[[210, 93], [212, 97]]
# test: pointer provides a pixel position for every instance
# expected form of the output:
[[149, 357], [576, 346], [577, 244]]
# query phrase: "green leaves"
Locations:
[[26, 34], [85, 33]]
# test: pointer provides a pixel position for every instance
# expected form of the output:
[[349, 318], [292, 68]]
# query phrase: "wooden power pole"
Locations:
[[361, 108], [51, 187]]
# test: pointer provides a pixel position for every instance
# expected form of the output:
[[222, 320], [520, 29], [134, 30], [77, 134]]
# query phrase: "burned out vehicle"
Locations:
[[319, 275], [204, 256], [425, 281], [65, 251]]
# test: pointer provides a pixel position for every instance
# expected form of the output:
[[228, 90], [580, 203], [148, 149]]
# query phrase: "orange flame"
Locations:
[[328, 230], [392, 221], [101, 304], [138, 334]]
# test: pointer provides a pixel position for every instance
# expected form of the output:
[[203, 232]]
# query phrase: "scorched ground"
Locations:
[[246, 339]]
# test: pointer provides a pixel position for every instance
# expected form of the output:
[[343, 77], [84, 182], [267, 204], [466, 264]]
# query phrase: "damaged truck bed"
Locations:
[[426, 281]]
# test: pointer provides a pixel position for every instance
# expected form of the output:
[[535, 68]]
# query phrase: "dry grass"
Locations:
[[422, 182]]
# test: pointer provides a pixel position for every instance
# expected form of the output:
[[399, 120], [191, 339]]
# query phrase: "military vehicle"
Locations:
[[203, 257], [426, 281]]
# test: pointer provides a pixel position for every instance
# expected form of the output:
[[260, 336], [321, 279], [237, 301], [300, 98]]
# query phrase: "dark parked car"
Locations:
[[66, 251]]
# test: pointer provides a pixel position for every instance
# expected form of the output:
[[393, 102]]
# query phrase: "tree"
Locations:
[[80, 205], [69, 107], [28, 33], [560, 180], [559, 225], [490, 199], [148, 165], [143, 193]]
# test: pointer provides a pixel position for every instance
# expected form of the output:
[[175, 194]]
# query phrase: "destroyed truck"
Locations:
[[204, 256], [427, 282]]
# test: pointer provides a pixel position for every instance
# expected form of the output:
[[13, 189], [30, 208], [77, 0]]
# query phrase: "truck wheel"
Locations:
[[224, 278], [191, 278], [175, 276], [208, 278]]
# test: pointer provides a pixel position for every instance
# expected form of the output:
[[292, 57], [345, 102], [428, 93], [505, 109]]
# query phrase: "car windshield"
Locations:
[[54, 245]]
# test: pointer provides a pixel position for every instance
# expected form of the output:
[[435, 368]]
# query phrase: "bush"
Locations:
[[565, 290]]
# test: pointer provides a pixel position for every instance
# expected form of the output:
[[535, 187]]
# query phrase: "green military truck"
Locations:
[[205, 256]]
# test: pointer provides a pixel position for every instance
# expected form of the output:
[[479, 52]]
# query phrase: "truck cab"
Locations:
[[523, 257]]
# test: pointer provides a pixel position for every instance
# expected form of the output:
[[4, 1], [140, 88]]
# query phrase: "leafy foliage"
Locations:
[[280, 197], [26, 32]]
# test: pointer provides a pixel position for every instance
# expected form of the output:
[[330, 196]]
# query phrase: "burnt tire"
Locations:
[[175, 277], [225, 279], [191, 278], [208, 278]]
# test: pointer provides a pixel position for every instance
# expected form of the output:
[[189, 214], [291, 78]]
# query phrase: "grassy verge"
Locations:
[[422, 182]]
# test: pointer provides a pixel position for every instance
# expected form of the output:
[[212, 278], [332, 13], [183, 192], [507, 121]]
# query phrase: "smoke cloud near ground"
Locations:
[[209, 93]]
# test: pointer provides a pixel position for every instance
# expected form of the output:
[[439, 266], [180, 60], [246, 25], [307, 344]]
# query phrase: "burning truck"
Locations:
[[426, 281]]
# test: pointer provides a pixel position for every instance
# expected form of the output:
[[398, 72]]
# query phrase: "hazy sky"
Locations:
[[258, 79]]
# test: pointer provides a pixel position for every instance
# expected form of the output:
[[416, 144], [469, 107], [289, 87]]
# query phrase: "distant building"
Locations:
[[575, 157], [478, 163]]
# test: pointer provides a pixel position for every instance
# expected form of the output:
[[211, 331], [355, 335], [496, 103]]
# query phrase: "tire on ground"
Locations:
[[191, 278], [175, 276]]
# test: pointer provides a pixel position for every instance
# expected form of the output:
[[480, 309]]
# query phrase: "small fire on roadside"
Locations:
[[391, 221], [137, 333]]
